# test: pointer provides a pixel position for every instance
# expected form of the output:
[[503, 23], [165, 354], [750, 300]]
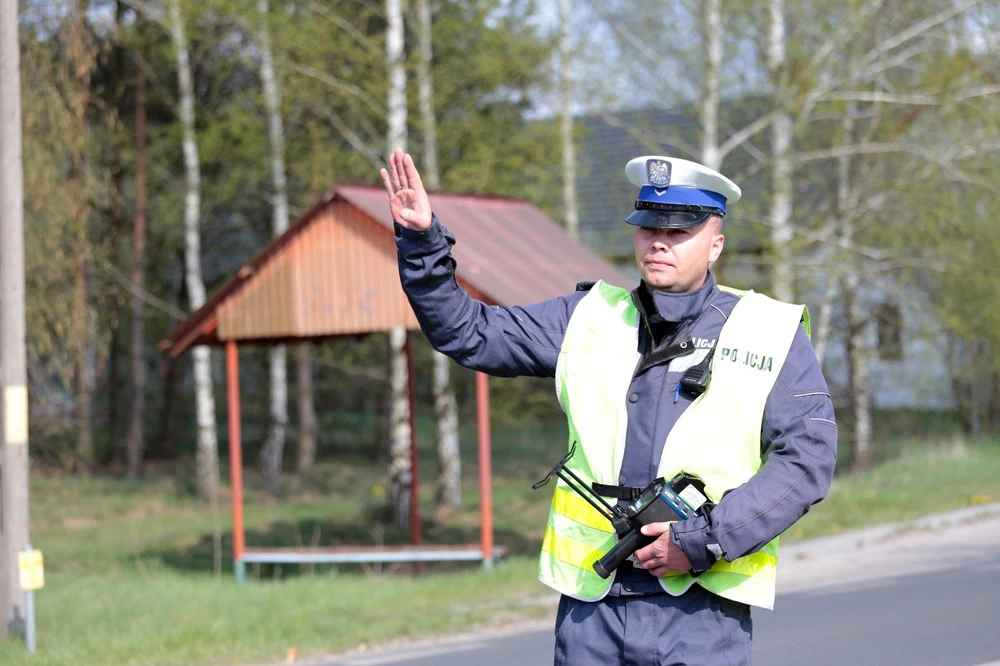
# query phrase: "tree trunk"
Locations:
[[708, 107], [134, 441], [206, 457], [821, 330], [425, 84], [307, 412], [400, 473], [781, 152], [857, 343], [397, 76], [566, 125], [449, 481], [274, 446], [857, 368]]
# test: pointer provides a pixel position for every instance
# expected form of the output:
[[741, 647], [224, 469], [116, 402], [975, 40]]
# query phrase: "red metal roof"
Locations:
[[507, 248], [334, 271]]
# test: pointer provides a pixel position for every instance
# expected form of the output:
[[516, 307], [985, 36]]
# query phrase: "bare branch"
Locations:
[[876, 61], [977, 149], [633, 39], [841, 151], [128, 285], [368, 150], [913, 99], [338, 84], [646, 138], [881, 97], [916, 30], [341, 23], [738, 138], [844, 34], [897, 60], [751, 170], [654, 57], [981, 91], [959, 176]]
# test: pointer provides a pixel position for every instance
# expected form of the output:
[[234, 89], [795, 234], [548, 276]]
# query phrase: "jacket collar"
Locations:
[[660, 306]]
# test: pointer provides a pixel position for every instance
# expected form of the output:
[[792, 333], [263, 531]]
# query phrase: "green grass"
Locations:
[[129, 566], [923, 480], [167, 617]]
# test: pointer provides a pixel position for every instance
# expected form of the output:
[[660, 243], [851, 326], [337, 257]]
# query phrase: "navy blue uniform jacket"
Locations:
[[799, 432]]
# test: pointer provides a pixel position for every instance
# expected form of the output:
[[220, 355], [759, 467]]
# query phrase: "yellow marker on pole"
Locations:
[[32, 569], [15, 414]]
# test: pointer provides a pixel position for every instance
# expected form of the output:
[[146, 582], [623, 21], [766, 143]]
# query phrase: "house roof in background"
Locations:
[[608, 141]]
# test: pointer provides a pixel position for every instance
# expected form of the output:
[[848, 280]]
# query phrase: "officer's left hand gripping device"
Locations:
[[661, 501]]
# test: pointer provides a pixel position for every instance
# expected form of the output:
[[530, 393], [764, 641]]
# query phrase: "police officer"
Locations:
[[760, 435]]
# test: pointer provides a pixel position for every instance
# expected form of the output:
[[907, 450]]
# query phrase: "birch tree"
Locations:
[[274, 445], [856, 322], [449, 481], [708, 106], [306, 454], [572, 218], [400, 471], [206, 456], [880, 155], [781, 154]]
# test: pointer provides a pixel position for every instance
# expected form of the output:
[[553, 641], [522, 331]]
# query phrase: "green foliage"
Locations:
[[494, 67], [330, 61]]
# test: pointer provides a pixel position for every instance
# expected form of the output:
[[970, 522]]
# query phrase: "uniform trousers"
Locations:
[[697, 628]]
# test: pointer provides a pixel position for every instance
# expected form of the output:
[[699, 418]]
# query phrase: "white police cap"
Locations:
[[676, 193]]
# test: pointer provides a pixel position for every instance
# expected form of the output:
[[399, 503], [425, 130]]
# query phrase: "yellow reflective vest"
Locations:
[[717, 438]]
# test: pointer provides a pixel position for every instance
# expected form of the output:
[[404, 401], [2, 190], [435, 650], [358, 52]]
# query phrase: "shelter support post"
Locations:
[[414, 488], [235, 457], [485, 473]]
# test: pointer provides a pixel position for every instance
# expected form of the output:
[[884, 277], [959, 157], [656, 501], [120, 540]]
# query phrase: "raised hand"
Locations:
[[407, 197]]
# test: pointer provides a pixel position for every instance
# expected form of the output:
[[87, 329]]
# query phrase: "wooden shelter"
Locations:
[[334, 273]]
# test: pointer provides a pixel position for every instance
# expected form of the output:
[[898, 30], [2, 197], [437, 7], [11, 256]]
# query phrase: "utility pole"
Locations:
[[13, 384]]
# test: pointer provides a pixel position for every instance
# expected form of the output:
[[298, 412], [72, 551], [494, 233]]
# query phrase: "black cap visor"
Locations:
[[669, 219]]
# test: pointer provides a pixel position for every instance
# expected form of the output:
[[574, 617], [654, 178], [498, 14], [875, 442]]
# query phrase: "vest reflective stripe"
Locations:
[[571, 551], [593, 375], [569, 504], [755, 563]]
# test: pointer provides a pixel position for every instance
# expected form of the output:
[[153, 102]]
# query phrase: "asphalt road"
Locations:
[[927, 596]]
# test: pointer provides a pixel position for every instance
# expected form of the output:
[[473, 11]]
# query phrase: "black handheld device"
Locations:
[[682, 497]]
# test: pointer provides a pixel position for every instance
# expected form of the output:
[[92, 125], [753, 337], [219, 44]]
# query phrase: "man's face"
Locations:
[[677, 260]]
